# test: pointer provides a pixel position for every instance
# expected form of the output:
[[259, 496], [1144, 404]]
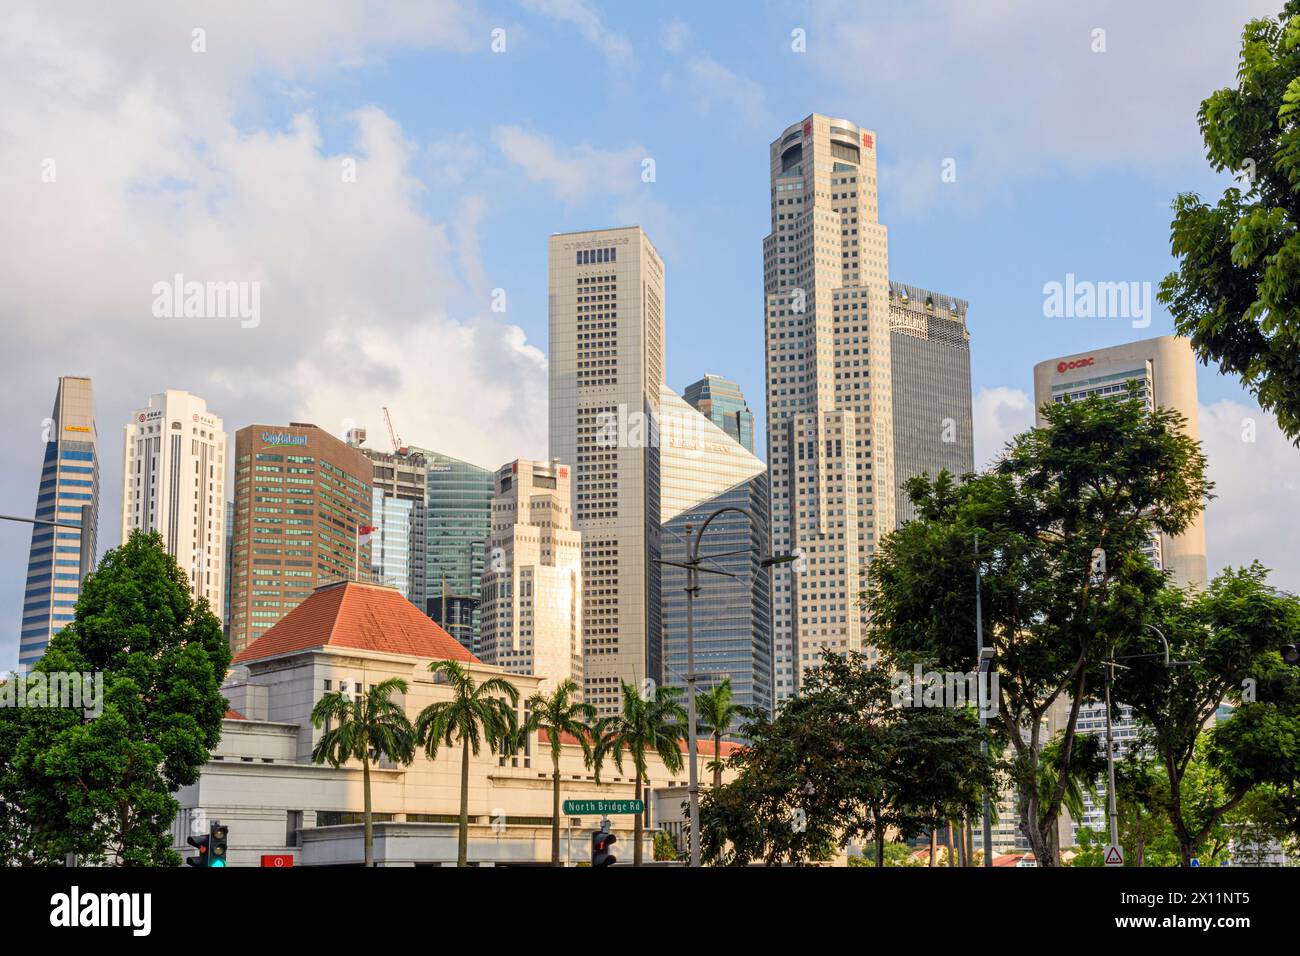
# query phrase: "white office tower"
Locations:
[[532, 576], [174, 483], [606, 367], [829, 388]]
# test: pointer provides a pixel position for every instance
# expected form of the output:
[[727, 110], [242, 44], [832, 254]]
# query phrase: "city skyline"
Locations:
[[524, 159]]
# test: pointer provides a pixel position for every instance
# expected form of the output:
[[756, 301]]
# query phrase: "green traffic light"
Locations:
[[216, 861]]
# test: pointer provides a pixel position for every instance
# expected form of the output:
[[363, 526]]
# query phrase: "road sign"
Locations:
[[604, 807], [1114, 855], [1195, 862], [277, 860]]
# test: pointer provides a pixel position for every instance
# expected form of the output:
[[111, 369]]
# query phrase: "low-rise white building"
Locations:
[[349, 636]]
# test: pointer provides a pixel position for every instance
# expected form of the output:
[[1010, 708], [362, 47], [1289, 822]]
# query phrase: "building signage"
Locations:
[[868, 141], [581, 807], [1077, 363], [283, 438], [277, 860]]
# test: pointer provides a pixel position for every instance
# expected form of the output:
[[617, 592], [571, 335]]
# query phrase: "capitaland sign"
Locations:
[[276, 439], [1076, 363]]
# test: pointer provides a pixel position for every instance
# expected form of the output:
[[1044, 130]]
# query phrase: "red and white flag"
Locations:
[[364, 533]]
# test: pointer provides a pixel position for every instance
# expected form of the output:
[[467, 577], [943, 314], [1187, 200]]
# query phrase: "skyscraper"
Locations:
[[1165, 371], [829, 387], [702, 469], [399, 548], [606, 366], [532, 579], [459, 508], [174, 483], [300, 497], [930, 355], [69, 479], [720, 401]]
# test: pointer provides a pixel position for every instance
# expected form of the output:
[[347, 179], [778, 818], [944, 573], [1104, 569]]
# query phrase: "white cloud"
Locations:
[[589, 23], [1257, 483], [573, 174], [998, 415], [365, 300]]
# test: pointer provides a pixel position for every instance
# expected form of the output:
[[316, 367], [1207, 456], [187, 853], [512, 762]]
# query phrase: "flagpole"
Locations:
[[356, 555]]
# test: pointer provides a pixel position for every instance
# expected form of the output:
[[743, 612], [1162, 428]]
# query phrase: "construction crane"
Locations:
[[398, 447]]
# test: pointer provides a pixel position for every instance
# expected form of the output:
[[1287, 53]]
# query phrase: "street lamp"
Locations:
[[693, 568]]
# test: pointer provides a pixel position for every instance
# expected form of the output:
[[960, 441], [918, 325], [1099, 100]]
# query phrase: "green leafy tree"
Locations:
[[664, 848], [367, 727], [717, 712], [477, 712], [1236, 294], [1220, 640], [653, 723], [1062, 520], [101, 786], [558, 714]]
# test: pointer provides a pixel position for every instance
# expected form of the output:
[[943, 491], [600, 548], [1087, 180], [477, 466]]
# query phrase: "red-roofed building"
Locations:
[[348, 637]]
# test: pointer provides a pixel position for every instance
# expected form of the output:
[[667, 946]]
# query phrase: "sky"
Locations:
[[388, 173]]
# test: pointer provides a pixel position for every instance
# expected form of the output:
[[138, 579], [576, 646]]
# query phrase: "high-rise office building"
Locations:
[[69, 480], [606, 365], [300, 497], [399, 548], [930, 358], [829, 387], [532, 579], [702, 469], [174, 483], [719, 400], [229, 568], [459, 509], [1165, 371]]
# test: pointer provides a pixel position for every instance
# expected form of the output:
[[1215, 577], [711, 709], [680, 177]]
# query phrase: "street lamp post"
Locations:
[[693, 569]]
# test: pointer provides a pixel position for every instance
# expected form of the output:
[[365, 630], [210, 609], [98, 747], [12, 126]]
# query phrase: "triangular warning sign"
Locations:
[[1114, 857]]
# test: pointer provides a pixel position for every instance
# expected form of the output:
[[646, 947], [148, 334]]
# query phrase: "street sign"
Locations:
[[1195, 862], [604, 807], [1114, 855], [277, 860]]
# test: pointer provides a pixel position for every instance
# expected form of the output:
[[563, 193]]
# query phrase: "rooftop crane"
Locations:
[[398, 447]]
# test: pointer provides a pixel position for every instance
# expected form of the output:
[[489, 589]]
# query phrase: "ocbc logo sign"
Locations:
[[1077, 363]]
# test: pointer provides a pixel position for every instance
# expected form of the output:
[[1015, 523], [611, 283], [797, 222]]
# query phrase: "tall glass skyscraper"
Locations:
[[720, 401], [69, 479], [399, 550], [459, 508], [703, 468]]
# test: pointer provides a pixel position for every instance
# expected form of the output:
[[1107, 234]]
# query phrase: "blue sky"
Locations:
[[1069, 145]]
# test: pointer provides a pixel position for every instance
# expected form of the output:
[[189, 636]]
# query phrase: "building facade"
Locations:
[[261, 782], [1164, 369], [720, 401], [532, 578], [930, 359], [703, 469], [69, 480], [606, 366], [399, 548], [174, 483], [458, 503], [829, 387], [300, 497]]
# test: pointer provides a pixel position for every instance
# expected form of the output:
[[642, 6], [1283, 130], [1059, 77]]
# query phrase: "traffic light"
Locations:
[[601, 841], [200, 858], [212, 848], [217, 844], [1291, 654]]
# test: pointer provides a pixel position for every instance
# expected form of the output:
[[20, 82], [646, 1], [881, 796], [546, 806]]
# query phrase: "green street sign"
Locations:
[[583, 807]]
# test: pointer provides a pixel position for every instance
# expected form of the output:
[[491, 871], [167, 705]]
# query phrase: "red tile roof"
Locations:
[[234, 715], [363, 616], [704, 746]]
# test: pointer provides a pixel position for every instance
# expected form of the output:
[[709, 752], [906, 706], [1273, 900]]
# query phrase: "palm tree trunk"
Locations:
[[462, 842], [636, 829], [934, 844], [717, 761], [555, 813], [951, 859], [369, 817]]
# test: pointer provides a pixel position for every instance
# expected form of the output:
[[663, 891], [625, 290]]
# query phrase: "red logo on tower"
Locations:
[[868, 141], [1077, 363], [807, 129]]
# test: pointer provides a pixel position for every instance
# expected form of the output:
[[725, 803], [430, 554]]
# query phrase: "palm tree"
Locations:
[[560, 714], [369, 726], [717, 712], [655, 723], [476, 712]]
